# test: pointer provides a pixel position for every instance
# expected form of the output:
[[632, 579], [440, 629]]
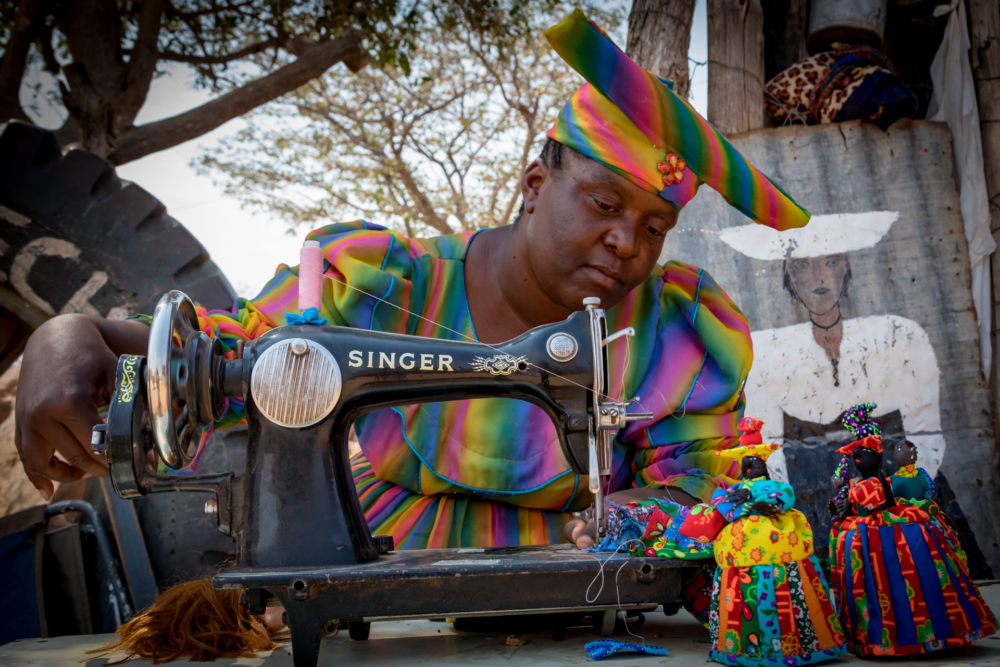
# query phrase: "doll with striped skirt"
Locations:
[[903, 587]]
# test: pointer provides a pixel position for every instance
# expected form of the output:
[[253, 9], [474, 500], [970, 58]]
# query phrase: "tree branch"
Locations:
[[222, 60], [169, 132], [14, 59]]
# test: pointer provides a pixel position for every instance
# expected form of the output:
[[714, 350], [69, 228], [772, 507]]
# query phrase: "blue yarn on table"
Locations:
[[602, 648]]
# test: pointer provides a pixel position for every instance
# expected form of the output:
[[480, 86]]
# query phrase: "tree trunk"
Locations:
[[735, 65], [984, 33], [659, 33]]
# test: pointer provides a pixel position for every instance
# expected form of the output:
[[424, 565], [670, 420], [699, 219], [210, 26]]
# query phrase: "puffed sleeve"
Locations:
[[693, 384], [868, 493], [367, 270], [773, 492], [729, 509]]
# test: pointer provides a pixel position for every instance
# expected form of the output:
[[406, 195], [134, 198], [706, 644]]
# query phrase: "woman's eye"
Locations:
[[608, 208], [654, 231]]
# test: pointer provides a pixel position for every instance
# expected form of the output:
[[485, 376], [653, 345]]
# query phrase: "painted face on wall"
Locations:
[[818, 282]]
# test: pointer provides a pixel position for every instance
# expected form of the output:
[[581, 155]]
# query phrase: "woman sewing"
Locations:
[[623, 157]]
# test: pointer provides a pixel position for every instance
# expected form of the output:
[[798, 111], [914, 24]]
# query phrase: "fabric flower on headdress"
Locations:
[[858, 420]]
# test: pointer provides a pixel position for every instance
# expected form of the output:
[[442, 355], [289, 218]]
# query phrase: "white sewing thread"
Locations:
[[617, 588]]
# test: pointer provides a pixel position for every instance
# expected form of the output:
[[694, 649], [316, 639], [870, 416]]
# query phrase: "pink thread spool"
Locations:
[[310, 276]]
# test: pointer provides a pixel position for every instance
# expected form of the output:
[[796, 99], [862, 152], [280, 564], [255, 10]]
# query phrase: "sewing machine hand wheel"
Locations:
[[181, 367]]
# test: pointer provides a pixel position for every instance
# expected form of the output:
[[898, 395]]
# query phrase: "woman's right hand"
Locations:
[[67, 371]]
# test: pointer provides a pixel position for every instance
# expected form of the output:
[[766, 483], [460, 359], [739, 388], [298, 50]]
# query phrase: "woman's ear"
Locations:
[[532, 180]]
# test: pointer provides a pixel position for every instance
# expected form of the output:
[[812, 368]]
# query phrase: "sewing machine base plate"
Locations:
[[459, 582]]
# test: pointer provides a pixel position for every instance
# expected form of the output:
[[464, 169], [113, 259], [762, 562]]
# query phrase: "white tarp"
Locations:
[[954, 102]]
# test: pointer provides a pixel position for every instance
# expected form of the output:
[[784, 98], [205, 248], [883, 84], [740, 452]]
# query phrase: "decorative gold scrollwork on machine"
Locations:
[[500, 364]]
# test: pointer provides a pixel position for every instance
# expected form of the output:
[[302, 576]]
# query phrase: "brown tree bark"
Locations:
[[735, 65], [659, 34]]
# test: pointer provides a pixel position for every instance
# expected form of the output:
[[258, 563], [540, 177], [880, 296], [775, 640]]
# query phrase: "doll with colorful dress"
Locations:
[[771, 604], [903, 588], [912, 485]]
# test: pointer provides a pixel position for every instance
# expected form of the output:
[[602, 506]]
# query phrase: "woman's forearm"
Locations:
[[122, 336]]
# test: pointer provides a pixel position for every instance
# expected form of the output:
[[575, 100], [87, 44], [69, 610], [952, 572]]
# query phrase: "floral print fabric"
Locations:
[[771, 604], [754, 539]]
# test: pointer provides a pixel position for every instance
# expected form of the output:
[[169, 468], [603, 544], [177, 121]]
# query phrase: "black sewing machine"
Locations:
[[302, 539]]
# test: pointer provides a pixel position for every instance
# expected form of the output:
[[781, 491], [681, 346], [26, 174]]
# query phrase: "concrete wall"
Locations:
[[871, 302]]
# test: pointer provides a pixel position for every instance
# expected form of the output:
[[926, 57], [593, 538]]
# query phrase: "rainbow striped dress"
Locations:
[[490, 472]]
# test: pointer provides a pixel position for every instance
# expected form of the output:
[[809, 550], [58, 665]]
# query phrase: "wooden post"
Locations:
[[735, 65], [659, 33], [984, 33]]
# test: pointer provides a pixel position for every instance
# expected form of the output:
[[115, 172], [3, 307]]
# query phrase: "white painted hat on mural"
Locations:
[[824, 235]]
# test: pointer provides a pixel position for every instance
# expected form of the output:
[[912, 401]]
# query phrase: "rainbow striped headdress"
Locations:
[[630, 120]]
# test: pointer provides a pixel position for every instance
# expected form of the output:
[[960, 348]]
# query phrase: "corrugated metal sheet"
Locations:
[[907, 315]]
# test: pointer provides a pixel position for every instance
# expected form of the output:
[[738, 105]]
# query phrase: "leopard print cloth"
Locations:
[[791, 96]]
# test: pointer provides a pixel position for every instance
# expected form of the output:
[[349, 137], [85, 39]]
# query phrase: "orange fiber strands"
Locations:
[[192, 620]]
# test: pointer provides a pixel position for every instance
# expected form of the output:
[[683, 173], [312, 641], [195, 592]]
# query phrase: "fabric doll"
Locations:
[[903, 588], [771, 604], [913, 486]]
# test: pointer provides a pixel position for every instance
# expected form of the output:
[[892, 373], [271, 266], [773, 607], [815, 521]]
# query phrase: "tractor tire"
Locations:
[[76, 238]]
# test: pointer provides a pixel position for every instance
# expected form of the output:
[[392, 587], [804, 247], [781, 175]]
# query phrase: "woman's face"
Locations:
[[818, 282], [590, 232]]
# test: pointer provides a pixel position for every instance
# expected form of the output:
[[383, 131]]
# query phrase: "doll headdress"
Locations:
[[631, 121], [750, 431], [737, 453], [751, 442], [867, 433]]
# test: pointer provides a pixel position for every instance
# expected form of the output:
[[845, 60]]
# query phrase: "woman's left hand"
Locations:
[[583, 533]]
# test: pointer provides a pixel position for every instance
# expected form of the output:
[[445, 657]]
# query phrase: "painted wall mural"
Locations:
[[870, 302], [815, 370]]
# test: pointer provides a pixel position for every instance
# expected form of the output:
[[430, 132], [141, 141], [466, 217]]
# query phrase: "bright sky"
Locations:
[[248, 245]]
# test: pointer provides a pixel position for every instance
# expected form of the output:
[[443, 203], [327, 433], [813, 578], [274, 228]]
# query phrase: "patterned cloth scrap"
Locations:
[[491, 472], [602, 648], [904, 587], [853, 81], [632, 122], [625, 527], [651, 528], [771, 604]]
